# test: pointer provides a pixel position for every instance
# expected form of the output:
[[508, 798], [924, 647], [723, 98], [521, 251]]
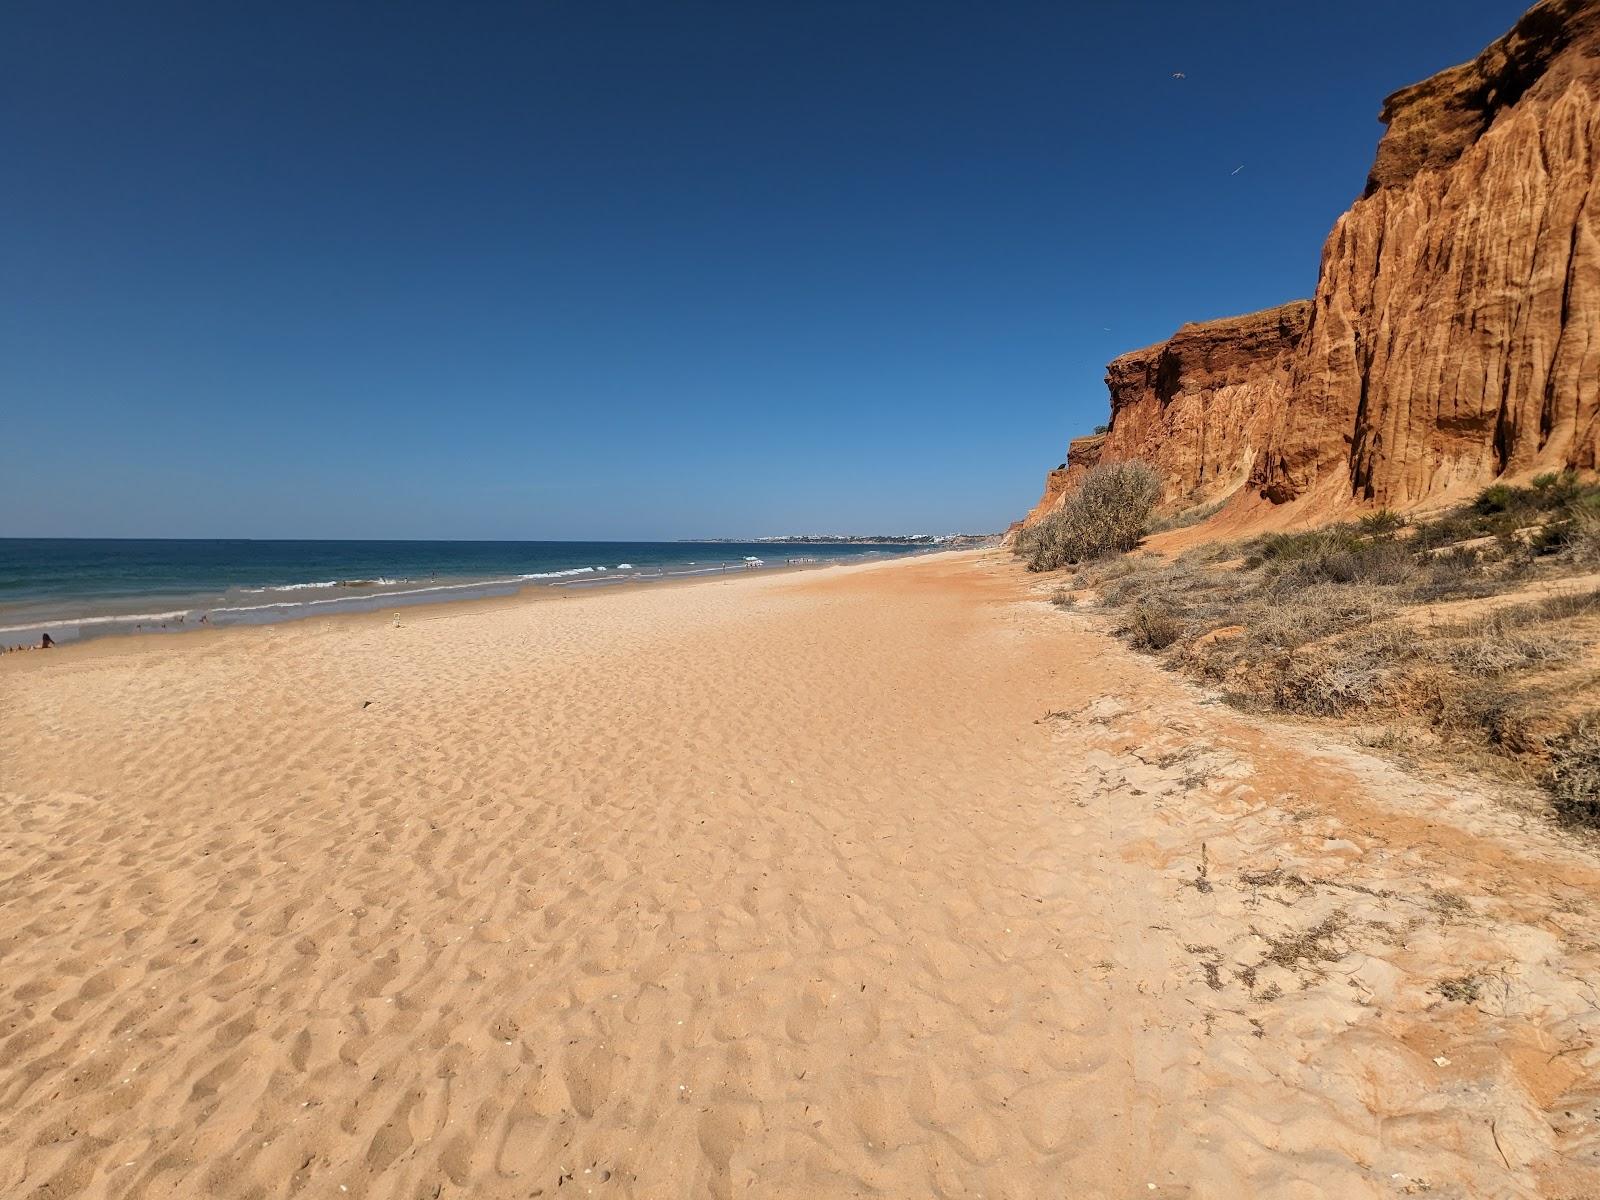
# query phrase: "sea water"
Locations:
[[74, 588]]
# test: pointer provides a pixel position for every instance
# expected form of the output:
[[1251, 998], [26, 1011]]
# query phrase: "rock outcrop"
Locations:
[[1197, 406], [1454, 337]]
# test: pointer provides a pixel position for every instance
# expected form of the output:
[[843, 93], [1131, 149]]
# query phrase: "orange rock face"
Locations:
[[1454, 337], [1197, 406]]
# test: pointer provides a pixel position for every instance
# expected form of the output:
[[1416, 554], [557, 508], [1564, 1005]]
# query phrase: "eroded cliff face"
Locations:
[[1454, 336], [1196, 406]]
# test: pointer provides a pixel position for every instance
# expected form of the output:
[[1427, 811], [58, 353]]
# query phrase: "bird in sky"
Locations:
[[1179, 75], [1237, 169]]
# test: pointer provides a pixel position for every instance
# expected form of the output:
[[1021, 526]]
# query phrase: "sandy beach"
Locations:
[[886, 880]]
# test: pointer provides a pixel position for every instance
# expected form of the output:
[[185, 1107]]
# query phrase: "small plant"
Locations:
[[1062, 598], [1382, 521], [1308, 947], [1151, 627], [1464, 989], [1099, 429]]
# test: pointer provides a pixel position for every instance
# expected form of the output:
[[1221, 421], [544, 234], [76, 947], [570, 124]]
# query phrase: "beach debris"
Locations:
[[1441, 1061], [397, 620], [366, 704]]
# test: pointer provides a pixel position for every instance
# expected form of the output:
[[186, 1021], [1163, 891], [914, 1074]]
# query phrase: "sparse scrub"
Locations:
[[1188, 517], [1491, 648], [1313, 623], [1106, 514], [1377, 561]]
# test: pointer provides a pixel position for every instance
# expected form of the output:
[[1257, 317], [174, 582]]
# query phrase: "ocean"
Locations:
[[73, 588]]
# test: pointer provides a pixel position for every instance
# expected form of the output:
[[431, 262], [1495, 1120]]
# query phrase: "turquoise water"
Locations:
[[79, 587]]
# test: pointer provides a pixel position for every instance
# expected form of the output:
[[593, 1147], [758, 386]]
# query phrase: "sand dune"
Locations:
[[878, 881]]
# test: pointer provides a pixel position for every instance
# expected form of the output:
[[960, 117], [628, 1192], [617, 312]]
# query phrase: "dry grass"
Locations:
[[1308, 948], [1306, 623], [1575, 772]]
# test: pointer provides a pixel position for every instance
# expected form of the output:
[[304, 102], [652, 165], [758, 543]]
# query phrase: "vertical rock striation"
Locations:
[[1454, 336]]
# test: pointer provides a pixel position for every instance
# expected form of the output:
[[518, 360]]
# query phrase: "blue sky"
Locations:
[[591, 269]]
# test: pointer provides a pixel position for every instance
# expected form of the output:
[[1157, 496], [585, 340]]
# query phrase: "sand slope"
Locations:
[[765, 887]]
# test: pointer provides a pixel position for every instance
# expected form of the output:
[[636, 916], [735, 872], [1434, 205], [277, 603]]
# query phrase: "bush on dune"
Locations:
[[1105, 515]]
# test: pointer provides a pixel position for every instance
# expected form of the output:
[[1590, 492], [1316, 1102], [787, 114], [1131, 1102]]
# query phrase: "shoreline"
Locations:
[[139, 640]]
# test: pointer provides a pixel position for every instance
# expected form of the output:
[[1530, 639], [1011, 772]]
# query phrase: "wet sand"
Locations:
[[880, 880]]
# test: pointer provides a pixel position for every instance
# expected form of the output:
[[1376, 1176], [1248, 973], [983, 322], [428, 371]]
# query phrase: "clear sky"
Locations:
[[586, 269]]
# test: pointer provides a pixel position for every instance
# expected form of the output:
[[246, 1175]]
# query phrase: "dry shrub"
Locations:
[[1583, 542], [1495, 647], [1105, 515], [1343, 560], [1151, 627], [1326, 687], [1574, 778]]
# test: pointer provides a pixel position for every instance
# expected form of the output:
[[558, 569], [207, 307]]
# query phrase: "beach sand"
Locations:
[[884, 880]]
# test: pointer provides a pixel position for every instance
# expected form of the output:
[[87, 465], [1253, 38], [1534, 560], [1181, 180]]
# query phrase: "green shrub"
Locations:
[[1293, 547], [1345, 559], [1446, 531], [1382, 521], [1548, 493], [1106, 514], [1497, 498]]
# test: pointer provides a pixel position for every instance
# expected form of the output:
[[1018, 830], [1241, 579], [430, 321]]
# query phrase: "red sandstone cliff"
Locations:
[[1454, 336], [1197, 406]]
